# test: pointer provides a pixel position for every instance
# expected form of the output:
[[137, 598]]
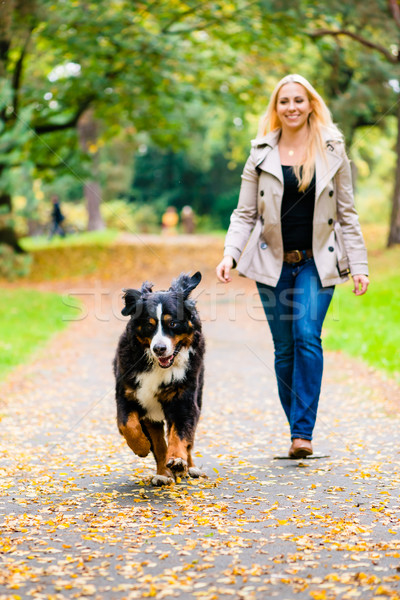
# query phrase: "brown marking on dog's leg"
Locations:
[[159, 445], [177, 453], [159, 448], [133, 433], [190, 458]]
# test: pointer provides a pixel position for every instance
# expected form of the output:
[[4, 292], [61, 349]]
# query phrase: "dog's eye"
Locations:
[[149, 327], [173, 324]]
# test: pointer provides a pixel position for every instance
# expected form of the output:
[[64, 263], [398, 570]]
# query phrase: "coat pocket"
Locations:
[[343, 265], [249, 249]]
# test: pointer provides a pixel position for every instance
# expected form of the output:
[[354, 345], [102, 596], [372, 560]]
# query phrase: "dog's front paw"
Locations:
[[195, 472], [177, 465], [159, 480]]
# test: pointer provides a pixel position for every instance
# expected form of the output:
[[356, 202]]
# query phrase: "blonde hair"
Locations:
[[318, 118]]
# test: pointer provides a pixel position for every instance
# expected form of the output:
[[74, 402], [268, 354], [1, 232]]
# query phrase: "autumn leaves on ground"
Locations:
[[80, 518]]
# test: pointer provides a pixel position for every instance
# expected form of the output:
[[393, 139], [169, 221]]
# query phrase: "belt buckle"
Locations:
[[299, 256]]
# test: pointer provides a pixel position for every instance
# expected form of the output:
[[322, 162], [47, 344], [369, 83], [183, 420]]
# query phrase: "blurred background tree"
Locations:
[[172, 92], [368, 34], [146, 68]]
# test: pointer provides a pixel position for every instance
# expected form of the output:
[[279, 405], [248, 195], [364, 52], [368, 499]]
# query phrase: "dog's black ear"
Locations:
[[131, 298], [147, 287], [186, 284]]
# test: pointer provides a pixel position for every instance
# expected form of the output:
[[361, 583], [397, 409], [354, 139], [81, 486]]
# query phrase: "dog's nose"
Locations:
[[159, 349]]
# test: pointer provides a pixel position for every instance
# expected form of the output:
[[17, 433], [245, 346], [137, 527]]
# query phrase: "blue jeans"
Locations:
[[295, 310]]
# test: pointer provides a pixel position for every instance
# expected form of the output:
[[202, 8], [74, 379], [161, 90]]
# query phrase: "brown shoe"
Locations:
[[300, 448]]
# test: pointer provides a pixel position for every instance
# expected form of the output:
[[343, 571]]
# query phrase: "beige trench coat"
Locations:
[[254, 237]]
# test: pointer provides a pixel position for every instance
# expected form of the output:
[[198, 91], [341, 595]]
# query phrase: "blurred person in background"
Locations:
[[187, 219], [57, 218], [169, 221]]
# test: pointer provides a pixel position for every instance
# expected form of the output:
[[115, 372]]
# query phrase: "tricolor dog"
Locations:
[[159, 372]]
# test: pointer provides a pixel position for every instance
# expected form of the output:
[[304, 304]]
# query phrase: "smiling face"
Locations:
[[293, 106]]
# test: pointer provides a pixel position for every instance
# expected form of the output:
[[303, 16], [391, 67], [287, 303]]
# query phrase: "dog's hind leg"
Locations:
[[155, 432], [134, 435]]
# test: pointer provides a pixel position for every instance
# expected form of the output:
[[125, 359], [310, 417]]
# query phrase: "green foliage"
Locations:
[[130, 217], [366, 34], [28, 318], [178, 77], [375, 159], [13, 265], [145, 219], [169, 178], [157, 66], [118, 215], [152, 70]]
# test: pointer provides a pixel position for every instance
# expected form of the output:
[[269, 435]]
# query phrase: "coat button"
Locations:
[[262, 193], [263, 245], [331, 193], [331, 249], [330, 221]]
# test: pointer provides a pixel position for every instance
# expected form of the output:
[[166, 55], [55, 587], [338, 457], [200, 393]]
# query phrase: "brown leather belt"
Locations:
[[296, 256]]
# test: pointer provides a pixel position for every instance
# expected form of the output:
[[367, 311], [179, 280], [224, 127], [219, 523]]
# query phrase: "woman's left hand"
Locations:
[[361, 283]]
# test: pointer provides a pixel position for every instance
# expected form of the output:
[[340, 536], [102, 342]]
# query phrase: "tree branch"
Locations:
[[51, 127], [395, 10], [206, 22], [191, 29], [180, 16], [358, 38]]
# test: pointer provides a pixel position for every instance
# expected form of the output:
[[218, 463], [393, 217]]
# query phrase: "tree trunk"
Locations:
[[394, 232], [87, 129], [92, 192], [7, 233]]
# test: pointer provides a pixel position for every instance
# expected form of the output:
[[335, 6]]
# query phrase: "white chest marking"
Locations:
[[150, 381]]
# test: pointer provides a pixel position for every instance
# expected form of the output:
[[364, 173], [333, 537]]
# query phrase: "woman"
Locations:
[[296, 233]]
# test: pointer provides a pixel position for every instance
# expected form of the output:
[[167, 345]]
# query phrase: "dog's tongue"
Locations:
[[165, 361]]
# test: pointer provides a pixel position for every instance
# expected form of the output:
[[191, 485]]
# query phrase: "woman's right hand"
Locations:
[[224, 268]]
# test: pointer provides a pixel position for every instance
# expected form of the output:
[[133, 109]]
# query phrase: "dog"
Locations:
[[159, 371]]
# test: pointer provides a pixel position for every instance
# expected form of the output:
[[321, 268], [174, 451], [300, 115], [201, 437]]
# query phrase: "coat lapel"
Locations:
[[273, 164], [325, 168], [270, 150]]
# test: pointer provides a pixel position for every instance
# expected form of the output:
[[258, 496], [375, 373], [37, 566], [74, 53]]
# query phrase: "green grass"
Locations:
[[86, 238], [28, 318], [368, 327]]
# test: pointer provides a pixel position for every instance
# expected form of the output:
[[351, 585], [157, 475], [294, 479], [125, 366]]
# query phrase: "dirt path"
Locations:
[[79, 518]]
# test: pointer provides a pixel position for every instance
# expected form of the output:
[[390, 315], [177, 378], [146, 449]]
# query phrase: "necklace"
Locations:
[[291, 152]]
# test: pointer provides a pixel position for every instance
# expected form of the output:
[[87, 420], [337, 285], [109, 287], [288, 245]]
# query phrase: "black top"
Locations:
[[297, 212]]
